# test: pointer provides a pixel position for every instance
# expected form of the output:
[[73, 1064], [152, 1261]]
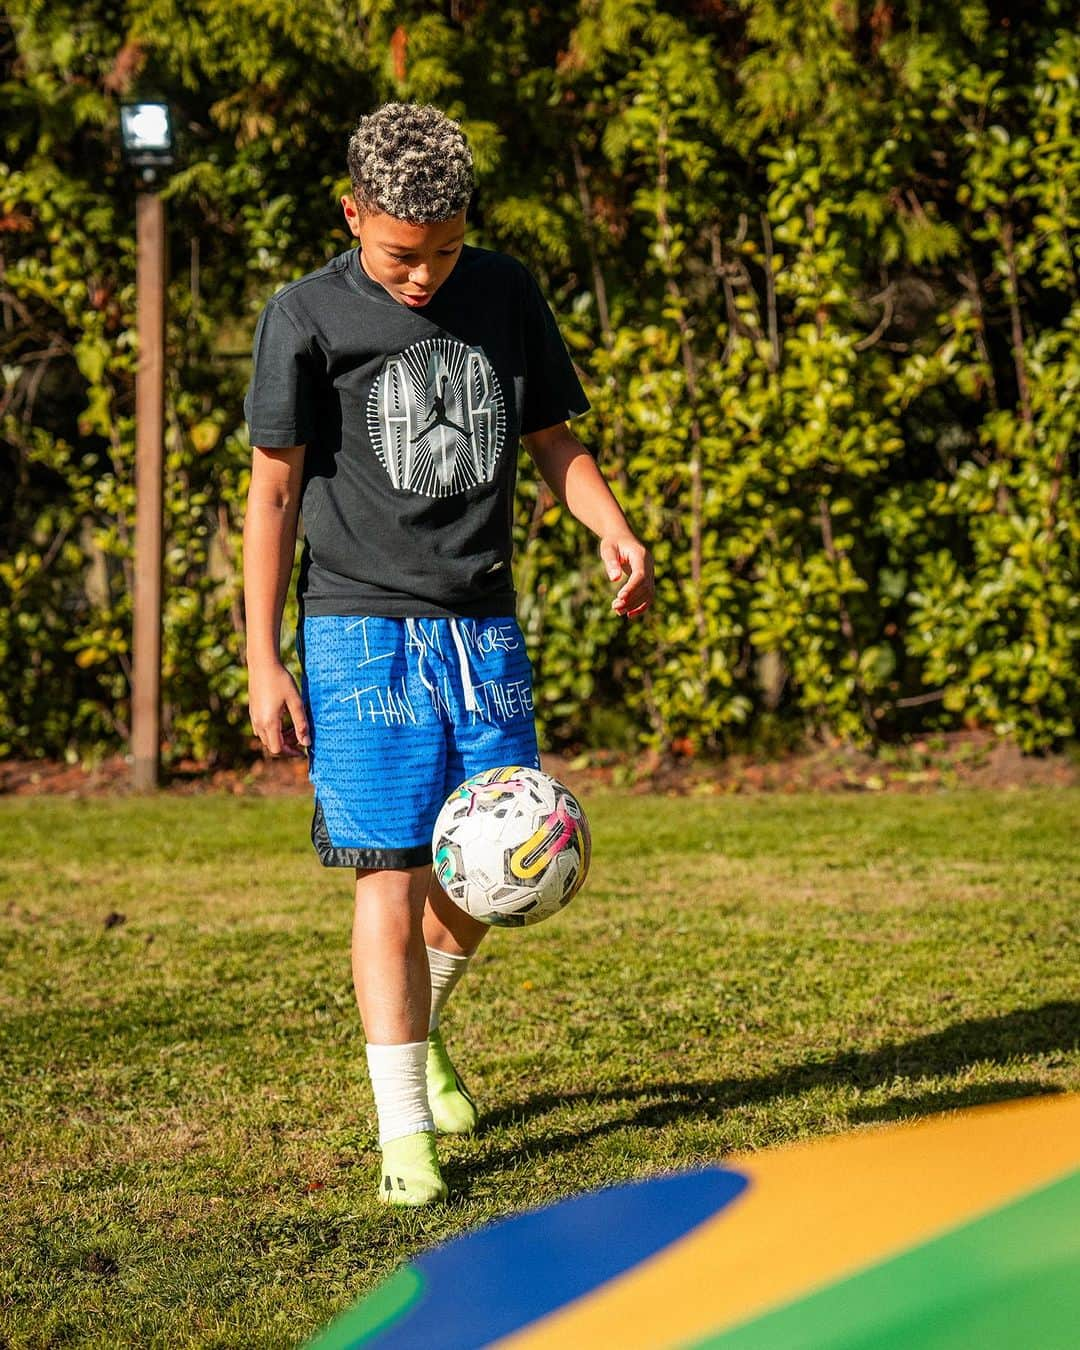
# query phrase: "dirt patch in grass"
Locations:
[[961, 759]]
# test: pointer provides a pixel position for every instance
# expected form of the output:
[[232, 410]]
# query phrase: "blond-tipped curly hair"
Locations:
[[411, 161]]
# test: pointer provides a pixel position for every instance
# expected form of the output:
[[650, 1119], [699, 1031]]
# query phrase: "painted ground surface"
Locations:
[[962, 1231]]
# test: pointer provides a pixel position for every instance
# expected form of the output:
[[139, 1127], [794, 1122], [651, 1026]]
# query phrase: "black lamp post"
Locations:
[[147, 138]]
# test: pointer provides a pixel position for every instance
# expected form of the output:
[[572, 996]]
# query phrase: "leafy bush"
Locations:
[[819, 268]]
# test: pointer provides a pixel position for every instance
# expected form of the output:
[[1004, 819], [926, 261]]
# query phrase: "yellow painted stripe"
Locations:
[[815, 1213]]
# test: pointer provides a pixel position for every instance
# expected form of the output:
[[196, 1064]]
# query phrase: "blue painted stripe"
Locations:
[[505, 1276]]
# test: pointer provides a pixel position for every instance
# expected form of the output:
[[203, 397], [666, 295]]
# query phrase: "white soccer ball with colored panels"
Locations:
[[511, 846]]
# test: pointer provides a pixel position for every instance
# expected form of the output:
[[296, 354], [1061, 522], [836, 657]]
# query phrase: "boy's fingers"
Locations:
[[270, 735], [279, 740], [289, 746], [612, 558], [637, 593], [638, 577], [629, 561], [299, 718]]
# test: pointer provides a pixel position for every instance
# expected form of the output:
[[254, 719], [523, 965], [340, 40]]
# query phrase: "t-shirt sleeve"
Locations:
[[279, 406], [553, 392]]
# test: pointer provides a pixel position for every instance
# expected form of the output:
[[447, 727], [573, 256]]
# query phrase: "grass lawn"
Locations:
[[188, 1147]]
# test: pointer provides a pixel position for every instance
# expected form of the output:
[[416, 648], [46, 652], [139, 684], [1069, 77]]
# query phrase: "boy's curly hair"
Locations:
[[411, 161]]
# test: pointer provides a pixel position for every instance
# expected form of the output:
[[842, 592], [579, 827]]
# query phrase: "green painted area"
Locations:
[[1007, 1281], [382, 1307]]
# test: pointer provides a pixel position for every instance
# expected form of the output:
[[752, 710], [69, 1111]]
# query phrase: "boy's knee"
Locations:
[[390, 898]]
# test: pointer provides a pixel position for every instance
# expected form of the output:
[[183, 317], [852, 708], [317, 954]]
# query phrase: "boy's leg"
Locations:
[[493, 726], [389, 962], [390, 976], [451, 936], [447, 927]]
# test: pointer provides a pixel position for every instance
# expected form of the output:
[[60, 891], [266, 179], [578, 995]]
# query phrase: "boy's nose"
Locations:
[[420, 276]]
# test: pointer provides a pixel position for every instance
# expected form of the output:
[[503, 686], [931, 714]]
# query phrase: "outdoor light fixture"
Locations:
[[147, 136]]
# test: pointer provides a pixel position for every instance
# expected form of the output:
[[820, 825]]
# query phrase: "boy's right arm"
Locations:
[[273, 506]]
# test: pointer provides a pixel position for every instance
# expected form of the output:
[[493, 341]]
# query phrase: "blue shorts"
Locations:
[[401, 712]]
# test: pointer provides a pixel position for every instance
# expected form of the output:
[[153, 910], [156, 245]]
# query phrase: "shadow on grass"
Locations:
[[998, 1040]]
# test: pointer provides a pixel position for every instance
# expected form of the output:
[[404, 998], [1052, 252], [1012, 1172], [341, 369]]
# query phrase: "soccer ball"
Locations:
[[511, 846]]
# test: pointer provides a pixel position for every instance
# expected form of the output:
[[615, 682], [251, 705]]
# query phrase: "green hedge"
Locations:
[[818, 263]]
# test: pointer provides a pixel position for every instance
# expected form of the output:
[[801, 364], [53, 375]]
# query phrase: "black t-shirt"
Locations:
[[411, 419]]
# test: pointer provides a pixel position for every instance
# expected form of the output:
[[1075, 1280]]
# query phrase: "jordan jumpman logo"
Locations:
[[437, 416]]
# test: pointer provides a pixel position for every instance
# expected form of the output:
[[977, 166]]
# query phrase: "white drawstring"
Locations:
[[471, 703], [421, 647], [416, 639]]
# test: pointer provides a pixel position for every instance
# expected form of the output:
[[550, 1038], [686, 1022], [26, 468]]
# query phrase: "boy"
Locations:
[[389, 391]]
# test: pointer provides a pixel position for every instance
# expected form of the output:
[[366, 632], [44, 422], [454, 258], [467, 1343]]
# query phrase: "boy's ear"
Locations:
[[352, 214]]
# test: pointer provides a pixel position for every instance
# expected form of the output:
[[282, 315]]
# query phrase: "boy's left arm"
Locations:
[[575, 478]]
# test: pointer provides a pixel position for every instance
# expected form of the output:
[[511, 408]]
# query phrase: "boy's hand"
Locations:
[[621, 554], [272, 690]]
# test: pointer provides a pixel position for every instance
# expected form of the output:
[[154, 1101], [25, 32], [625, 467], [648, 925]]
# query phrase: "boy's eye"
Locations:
[[408, 257]]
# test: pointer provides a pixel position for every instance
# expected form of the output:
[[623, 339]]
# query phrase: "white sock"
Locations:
[[399, 1081], [446, 969]]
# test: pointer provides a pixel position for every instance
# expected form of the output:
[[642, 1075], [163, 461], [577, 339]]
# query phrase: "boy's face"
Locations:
[[409, 261]]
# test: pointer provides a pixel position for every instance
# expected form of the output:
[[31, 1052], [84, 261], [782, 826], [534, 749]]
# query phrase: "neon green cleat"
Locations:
[[410, 1171], [452, 1109]]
